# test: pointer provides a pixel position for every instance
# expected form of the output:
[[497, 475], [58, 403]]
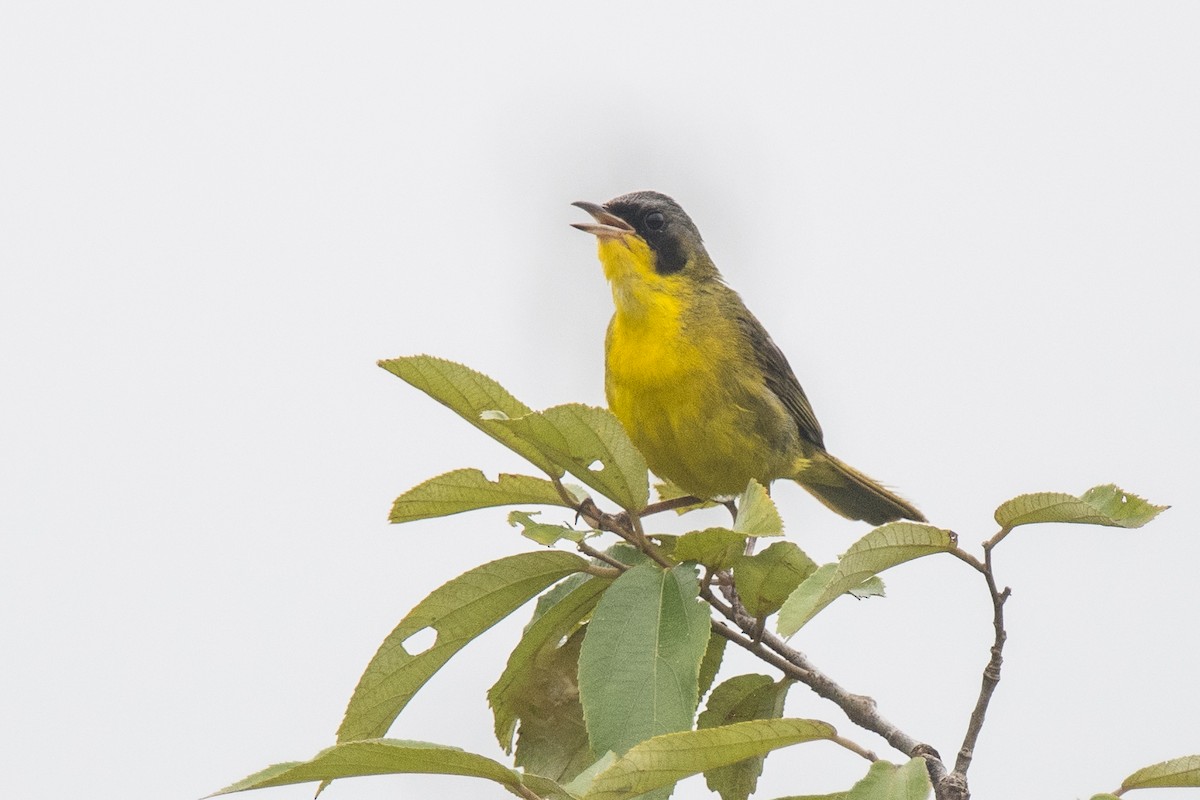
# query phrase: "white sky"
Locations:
[[975, 231]]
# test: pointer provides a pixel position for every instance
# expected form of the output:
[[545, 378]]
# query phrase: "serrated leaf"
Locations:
[[379, 757], [741, 698], [469, 393], [715, 548], [757, 514], [1101, 505], [575, 437], [665, 760], [766, 579], [458, 611], [468, 490], [665, 542], [519, 687], [542, 532], [640, 664], [710, 665], [1178, 772], [882, 548]]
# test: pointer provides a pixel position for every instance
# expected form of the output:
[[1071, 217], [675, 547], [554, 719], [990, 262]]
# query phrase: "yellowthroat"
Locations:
[[701, 389]]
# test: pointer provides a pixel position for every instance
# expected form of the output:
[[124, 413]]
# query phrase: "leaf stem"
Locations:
[[669, 505], [599, 555], [854, 747], [526, 792]]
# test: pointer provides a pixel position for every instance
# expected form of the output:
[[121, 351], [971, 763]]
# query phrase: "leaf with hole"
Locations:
[[542, 532], [469, 393], [1101, 505], [458, 611], [589, 443]]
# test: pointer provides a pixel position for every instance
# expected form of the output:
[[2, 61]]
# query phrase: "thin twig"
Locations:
[[991, 672]]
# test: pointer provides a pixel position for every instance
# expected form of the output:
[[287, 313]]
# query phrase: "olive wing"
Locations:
[[780, 379]]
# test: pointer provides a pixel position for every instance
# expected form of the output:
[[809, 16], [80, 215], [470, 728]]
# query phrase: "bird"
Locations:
[[700, 387]]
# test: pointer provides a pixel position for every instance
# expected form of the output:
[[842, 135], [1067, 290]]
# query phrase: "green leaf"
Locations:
[[552, 739], [467, 490], [710, 665], [640, 664], [524, 687], [742, 698], [469, 393], [458, 611], [541, 532], [884, 547], [757, 514], [665, 760], [575, 437], [871, 587], [766, 579], [1178, 772], [583, 782], [1100, 505], [383, 757], [1105, 796], [715, 548], [886, 781]]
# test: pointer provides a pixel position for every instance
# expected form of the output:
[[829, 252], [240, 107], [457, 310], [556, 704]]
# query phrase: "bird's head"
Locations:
[[646, 240]]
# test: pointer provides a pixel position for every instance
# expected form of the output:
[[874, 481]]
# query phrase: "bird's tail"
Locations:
[[848, 492]]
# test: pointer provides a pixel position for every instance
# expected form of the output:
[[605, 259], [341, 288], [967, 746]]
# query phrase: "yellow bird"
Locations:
[[695, 379]]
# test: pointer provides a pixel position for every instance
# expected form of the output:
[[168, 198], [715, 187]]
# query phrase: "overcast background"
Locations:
[[974, 230]]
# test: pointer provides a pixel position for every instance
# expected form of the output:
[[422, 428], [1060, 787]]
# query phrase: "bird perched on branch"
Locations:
[[701, 389]]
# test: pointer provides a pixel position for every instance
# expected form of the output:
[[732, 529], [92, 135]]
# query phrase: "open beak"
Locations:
[[606, 226]]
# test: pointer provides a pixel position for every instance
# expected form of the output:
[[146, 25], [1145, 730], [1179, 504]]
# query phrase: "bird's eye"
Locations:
[[655, 221]]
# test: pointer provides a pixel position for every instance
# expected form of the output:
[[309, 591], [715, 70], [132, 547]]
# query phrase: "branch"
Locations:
[[769, 647], [627, 526], [860, 709]]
